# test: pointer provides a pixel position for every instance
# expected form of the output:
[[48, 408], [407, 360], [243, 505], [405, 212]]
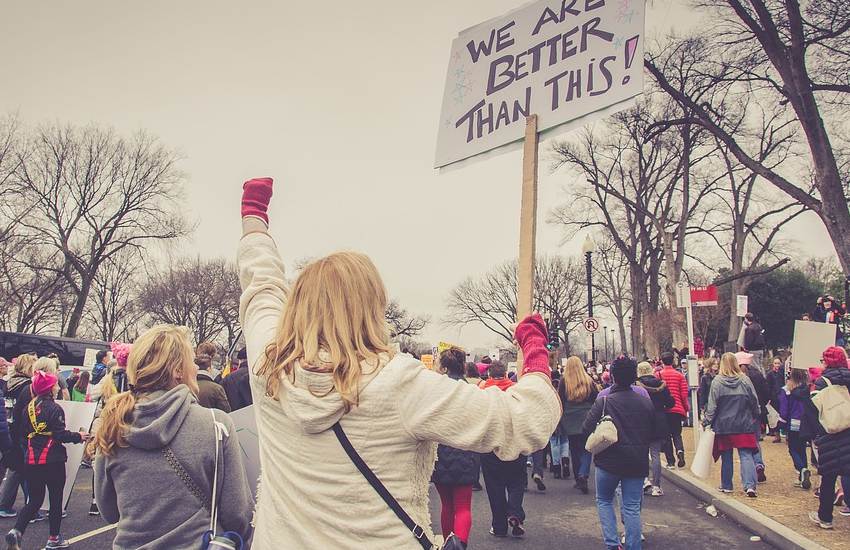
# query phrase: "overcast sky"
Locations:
[[340, 105]]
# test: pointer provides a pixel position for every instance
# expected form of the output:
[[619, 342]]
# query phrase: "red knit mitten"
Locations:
[[531, 337], [256, 194]]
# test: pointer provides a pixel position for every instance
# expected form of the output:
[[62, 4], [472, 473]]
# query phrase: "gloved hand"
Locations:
[[256, 194], [531, 335]]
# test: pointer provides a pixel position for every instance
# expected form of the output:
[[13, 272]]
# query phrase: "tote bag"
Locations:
[[604, 435], [703, 459], [833, 404]]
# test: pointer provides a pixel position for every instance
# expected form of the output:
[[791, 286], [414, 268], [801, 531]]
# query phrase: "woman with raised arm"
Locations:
[[324, 375]]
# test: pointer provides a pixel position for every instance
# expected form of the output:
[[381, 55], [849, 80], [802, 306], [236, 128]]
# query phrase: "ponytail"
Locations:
[[114, 422]]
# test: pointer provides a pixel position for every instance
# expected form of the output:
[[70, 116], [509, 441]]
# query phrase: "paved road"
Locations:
[[560, 518]]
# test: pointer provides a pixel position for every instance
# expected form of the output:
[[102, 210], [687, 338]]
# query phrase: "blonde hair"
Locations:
[[107, 387], [24, 364], [709, 364], [45, 364], [159, 358], [337, 306], [729, 366], [576, 382]]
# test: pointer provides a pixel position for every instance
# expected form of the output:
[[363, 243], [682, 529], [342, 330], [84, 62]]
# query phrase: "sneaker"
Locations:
[[839, 498], [806, 479], [845, 511], [539, 481], [670, 466], [623, 539], [517, 530], [495, 534], [647, 486], [657, 492], [751, 493], [681, 455], [760, 474], [94, 511], [13, 540], [797, 483], [722, 490], [812, 516], [58, 542], [38, 517], [8, 514]]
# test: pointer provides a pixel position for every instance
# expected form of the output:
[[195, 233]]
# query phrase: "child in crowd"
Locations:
[[794, 403]]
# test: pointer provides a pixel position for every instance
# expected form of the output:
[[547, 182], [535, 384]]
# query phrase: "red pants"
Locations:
[[456, 514]]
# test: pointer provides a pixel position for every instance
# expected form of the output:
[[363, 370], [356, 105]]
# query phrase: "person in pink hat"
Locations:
[[44, 458]]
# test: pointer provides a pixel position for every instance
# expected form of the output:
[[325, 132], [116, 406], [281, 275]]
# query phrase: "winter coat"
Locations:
[[733, 406], [45, 436], [5, 434], [761, 388], [793, 407], [98, 372], [454, 466], [575, 412], [16, 384], [704, 388], [775, 383], [753, 337], [128, 482], [633, 416], [310, 485], [237, 387], [210, 393], [678, 386], [661, 402], [833, 449]]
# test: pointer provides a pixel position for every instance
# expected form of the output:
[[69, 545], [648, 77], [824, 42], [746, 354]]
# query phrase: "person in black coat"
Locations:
[[709, 372], [456, 470], [237, 385], [661, 402], [626, 462], [775, 381], [833, 448]]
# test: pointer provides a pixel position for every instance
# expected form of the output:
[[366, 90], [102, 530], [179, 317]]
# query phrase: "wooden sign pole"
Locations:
[[527, 225]]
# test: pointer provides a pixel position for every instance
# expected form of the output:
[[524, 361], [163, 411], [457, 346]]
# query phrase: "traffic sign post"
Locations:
[[683, 300], [591, 324]]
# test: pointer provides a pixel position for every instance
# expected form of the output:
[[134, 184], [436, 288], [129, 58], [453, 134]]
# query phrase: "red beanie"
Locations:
[[835, 357]]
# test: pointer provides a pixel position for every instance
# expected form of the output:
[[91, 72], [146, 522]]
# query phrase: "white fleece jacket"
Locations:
[[311, 496]]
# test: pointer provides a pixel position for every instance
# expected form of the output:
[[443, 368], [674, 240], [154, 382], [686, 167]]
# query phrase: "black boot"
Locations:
[[565, 466], [582, 484], [454, 543]]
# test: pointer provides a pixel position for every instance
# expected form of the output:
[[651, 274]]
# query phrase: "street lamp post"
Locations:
[[588, 247], [605, 334], [614, 343]]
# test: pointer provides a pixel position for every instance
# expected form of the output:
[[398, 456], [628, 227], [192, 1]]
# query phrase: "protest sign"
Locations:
[[810, 340], [561, 60], [246, 430], [443, 346], [743, 305], [78, 417]]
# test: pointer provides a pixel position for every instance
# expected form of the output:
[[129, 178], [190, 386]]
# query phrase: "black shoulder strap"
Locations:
[[376, 484]]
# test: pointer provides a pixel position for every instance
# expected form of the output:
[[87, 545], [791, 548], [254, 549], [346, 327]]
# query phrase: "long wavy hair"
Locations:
[[337, 306], [160, 359], [729, 366], [576, 383]]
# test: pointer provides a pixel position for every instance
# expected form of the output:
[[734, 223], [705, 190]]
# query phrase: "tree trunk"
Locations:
[[673, 275], [79, 307]]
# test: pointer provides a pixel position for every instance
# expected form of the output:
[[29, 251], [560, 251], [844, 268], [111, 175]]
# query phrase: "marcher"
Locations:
[[833, 448], [78, 390], [155, 444], [662, 401], [708, 373], [626, 462], [578, 393], [754, 341], [237, 385], [18, 384], [455, 472], [775, 381], [210, 393], [733, 414], [45, 457], [321, 357], [99, 369], [745, 363], [676, 415], [793, 404]]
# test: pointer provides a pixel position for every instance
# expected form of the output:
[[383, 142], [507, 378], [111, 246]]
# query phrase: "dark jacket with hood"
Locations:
[[760, 386], [237, 387], [454, 466], [733, 406], [833, 449], [794, 409], [661, 402], [575, 412], [753, 337], [775, 381], [141, 474], [45, 444], [210, 393], [704, 389], [633, 416]]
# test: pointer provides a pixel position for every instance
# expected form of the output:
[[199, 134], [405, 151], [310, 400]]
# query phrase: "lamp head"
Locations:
[[588, 246]]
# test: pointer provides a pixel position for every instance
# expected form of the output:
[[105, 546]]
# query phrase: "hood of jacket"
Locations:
[[731, 382], [158, 417], [501, 383], [16, 382], [652, 384], [801, 393], [311, 400]]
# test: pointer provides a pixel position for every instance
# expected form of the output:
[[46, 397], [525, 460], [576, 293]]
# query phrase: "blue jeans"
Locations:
[[560, 448], [581, 458], [797, 450], [748, 468], [757, 455], [632, 492]]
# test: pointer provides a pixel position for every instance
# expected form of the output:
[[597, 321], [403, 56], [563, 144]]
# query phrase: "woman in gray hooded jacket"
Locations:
[[156, 453], [733, 413]]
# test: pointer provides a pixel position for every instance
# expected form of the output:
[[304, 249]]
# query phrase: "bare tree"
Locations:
[[191, 293], [611, 276], [30, 291], [796, 56], [491, 299], [95, 194], [113, 312], [402, 323], [9, 190]]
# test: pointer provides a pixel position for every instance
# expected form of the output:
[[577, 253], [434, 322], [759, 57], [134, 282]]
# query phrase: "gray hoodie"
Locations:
[[733, 407], [137, 488]]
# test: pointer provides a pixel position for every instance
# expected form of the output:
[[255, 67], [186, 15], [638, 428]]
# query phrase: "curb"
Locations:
[[770, 531]]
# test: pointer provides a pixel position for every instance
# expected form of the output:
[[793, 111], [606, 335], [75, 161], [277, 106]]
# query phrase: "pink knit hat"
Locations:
[[120, 351], [43, 382], [744, 358]]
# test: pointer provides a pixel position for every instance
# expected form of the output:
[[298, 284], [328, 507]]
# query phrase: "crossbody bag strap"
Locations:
[[382, 491], [184, 476]]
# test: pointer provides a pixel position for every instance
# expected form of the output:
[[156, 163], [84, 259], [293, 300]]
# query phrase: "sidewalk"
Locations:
[[777, 498]]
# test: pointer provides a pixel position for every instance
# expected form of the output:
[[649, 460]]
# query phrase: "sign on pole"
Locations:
[[683, 294], [704, 296], [810, 340], [591, 324], [743, 303], [561, 60]]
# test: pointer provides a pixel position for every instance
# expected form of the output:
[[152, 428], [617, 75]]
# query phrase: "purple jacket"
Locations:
[[791, 406]]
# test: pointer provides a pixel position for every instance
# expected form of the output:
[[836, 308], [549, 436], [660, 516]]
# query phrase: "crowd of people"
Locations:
[[352, 432]]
